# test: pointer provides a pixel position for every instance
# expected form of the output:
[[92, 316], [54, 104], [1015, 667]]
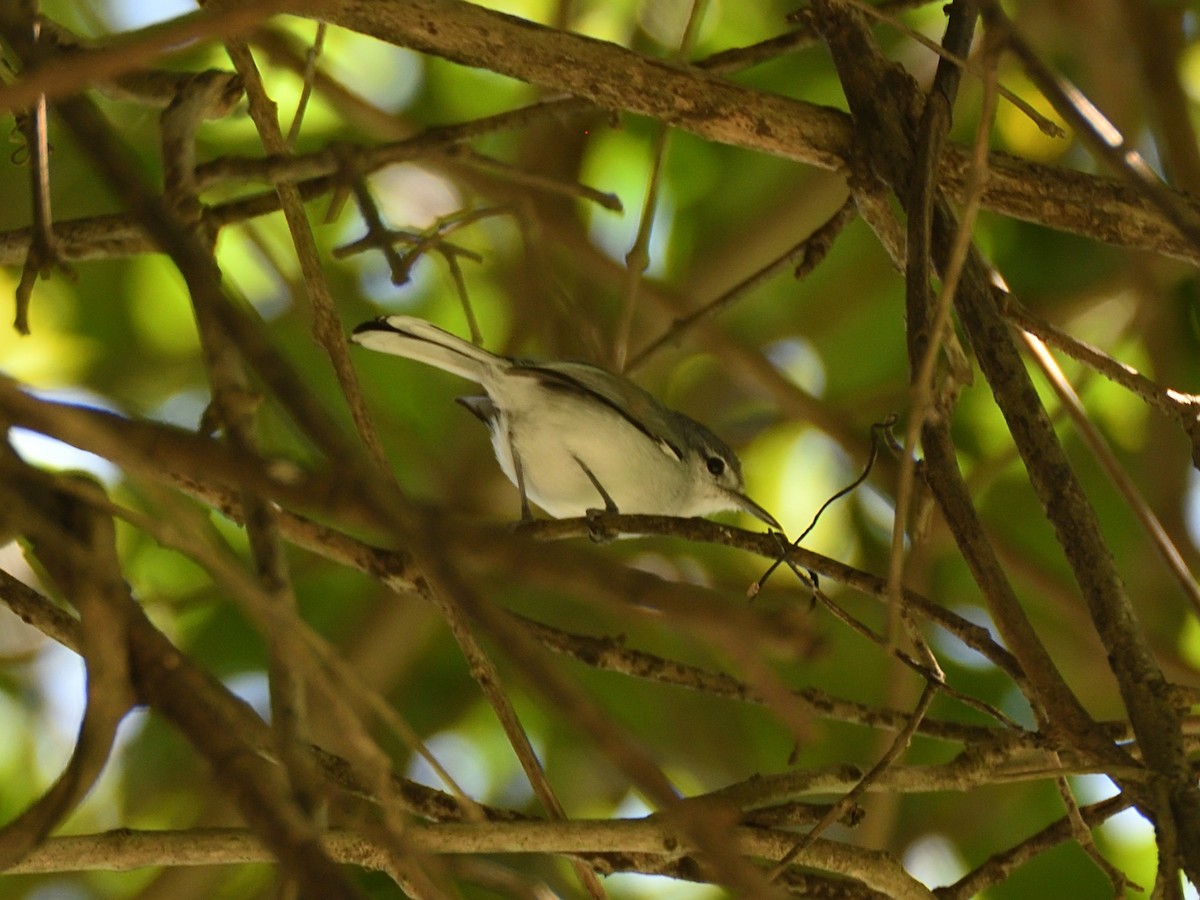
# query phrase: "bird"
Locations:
[[574, 438]]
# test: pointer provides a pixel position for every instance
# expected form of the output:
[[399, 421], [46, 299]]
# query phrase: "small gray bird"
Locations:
[[573, 437]]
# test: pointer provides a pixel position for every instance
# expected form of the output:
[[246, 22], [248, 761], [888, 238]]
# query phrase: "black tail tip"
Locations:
[[377, 324]]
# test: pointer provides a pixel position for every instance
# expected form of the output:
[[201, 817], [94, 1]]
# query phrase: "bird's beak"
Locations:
[[744, 503]]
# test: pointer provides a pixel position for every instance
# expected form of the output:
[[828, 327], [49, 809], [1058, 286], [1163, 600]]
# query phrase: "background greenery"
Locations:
[[549, 280]]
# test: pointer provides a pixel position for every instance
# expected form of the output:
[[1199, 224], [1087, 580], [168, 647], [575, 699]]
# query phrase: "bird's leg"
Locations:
[[596, 530], [526, 513], [609, 506]]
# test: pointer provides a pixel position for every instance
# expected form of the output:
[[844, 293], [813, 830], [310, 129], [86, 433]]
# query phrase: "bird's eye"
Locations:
[[716, 465]]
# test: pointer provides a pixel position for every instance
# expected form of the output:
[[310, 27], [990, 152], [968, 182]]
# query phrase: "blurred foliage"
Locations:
[[550, 284]]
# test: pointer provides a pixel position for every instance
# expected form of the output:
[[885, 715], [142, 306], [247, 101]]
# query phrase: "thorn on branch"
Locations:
[[43, 253]]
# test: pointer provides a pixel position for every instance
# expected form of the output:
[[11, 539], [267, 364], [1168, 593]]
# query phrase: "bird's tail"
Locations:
[[416, 339]]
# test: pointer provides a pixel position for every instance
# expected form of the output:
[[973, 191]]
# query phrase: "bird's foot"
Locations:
[[598, 529]]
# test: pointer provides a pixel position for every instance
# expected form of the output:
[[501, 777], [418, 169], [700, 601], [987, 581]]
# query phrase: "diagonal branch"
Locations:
[[77, 546], [1143, 686], [695, 100]]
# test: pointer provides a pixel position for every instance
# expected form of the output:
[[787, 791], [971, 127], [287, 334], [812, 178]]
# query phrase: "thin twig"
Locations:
[[611, 655], [1100, 135], [42, 254], [918, 666], [183, 529], [997, 868], [877, 429], [1045, 125], [73, 72], [1116, 473], [1083, 835], [307, 78], [934, 331], [637, 260], [898, 746], [1183, 407], [514, 175], [806, 255]]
